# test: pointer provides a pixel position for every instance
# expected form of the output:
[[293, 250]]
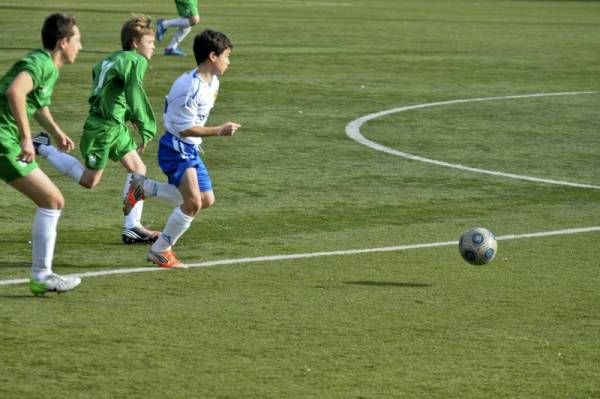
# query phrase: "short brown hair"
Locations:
[[133, 30], [57, 27], [208, 42]]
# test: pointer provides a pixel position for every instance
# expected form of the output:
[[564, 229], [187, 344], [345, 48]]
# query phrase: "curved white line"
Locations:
[[353, 131]]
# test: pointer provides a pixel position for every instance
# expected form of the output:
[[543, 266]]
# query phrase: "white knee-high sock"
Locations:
[[164, 191], [181, 22], [177, 224], [63, 162], [43, 240], [179, 36], [134, 218]]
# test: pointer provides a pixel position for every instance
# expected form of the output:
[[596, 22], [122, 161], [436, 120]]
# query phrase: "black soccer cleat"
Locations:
[[139, 235], [41, 139]]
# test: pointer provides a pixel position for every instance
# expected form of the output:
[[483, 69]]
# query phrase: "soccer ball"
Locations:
[[478, 246]]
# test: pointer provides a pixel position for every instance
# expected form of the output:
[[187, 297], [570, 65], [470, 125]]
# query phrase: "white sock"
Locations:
[[181, 22], [63, 162], [179, 36], [177, 224], [43, 240], [134, 218], [164, 191]]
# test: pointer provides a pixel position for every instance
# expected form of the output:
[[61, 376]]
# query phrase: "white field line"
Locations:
[[353, 131], [274, 258]]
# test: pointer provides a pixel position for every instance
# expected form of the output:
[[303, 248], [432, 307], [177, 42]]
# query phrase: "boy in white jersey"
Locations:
[[187, 108]]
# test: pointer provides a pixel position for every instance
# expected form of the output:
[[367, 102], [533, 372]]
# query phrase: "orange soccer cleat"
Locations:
[[165, 259]]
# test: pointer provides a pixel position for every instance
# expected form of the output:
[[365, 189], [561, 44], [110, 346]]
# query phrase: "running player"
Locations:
[[25, 91], [187, 108], [117, 97], [188, 17]]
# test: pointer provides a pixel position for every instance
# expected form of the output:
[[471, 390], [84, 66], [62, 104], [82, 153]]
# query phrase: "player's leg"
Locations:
[[182, 216], [42, 191], [138, 187], [133, 201], [63, 162], [161, 252], [68, 164], [193, 181], [163, 24], [189, 16]]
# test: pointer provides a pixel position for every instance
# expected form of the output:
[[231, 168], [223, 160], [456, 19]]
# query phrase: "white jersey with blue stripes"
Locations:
[[189, 103]]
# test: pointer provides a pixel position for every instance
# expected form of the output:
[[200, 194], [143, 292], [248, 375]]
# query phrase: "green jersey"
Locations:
[[118, 94], [44, 74]]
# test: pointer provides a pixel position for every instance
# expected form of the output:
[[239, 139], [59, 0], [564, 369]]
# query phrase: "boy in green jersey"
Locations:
[[117, 97], [26, 91], [188, 17]]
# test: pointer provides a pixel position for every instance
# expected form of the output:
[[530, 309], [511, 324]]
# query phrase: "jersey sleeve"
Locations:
[[40, 72], [138, 106], [33, 69]]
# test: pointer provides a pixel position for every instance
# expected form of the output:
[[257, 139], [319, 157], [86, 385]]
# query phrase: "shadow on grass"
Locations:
[[388, 284]]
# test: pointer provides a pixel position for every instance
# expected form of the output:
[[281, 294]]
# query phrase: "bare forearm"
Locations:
[[45, 119], [226, 129], [201, 131]]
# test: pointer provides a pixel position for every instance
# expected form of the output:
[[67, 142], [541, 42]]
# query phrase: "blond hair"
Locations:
[[133, 30]]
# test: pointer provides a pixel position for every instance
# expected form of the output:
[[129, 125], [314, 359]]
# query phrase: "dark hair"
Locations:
[[133, 30], [57, 27], [210, 41]]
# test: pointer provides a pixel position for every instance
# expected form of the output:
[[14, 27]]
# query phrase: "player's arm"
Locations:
[[140, 111], [17, 98], [226, 129], [44, 117]]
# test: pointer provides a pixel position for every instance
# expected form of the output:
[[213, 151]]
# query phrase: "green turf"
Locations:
[[418, 323]]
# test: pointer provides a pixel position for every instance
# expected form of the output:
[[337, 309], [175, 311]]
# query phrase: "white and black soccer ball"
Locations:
[[478, 246]]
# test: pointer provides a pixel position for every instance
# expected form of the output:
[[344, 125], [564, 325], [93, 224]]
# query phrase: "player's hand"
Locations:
[[27, 153], [65, 143], [228, 129]]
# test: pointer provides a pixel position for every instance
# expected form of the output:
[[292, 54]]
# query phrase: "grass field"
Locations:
[[410, 323]]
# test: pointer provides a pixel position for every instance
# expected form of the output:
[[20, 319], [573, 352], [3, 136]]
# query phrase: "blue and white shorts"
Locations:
[[176, 156]]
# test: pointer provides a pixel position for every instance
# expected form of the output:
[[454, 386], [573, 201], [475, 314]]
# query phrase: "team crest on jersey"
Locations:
[[92, 159]]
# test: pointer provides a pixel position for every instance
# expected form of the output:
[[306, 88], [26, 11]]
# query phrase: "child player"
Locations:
[[26, 90], [117, 97], [187, 108], [188, 17]]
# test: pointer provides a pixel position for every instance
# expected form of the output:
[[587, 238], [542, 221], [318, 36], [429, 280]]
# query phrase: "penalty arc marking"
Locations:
[[353, 131]]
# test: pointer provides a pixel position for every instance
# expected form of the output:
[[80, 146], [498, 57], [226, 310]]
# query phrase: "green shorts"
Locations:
[[187, 8], [10, 167], [102, 141]]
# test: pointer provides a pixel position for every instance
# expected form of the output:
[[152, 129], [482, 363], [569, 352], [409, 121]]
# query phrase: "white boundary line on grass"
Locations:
[[353, 131], [273, 258]]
